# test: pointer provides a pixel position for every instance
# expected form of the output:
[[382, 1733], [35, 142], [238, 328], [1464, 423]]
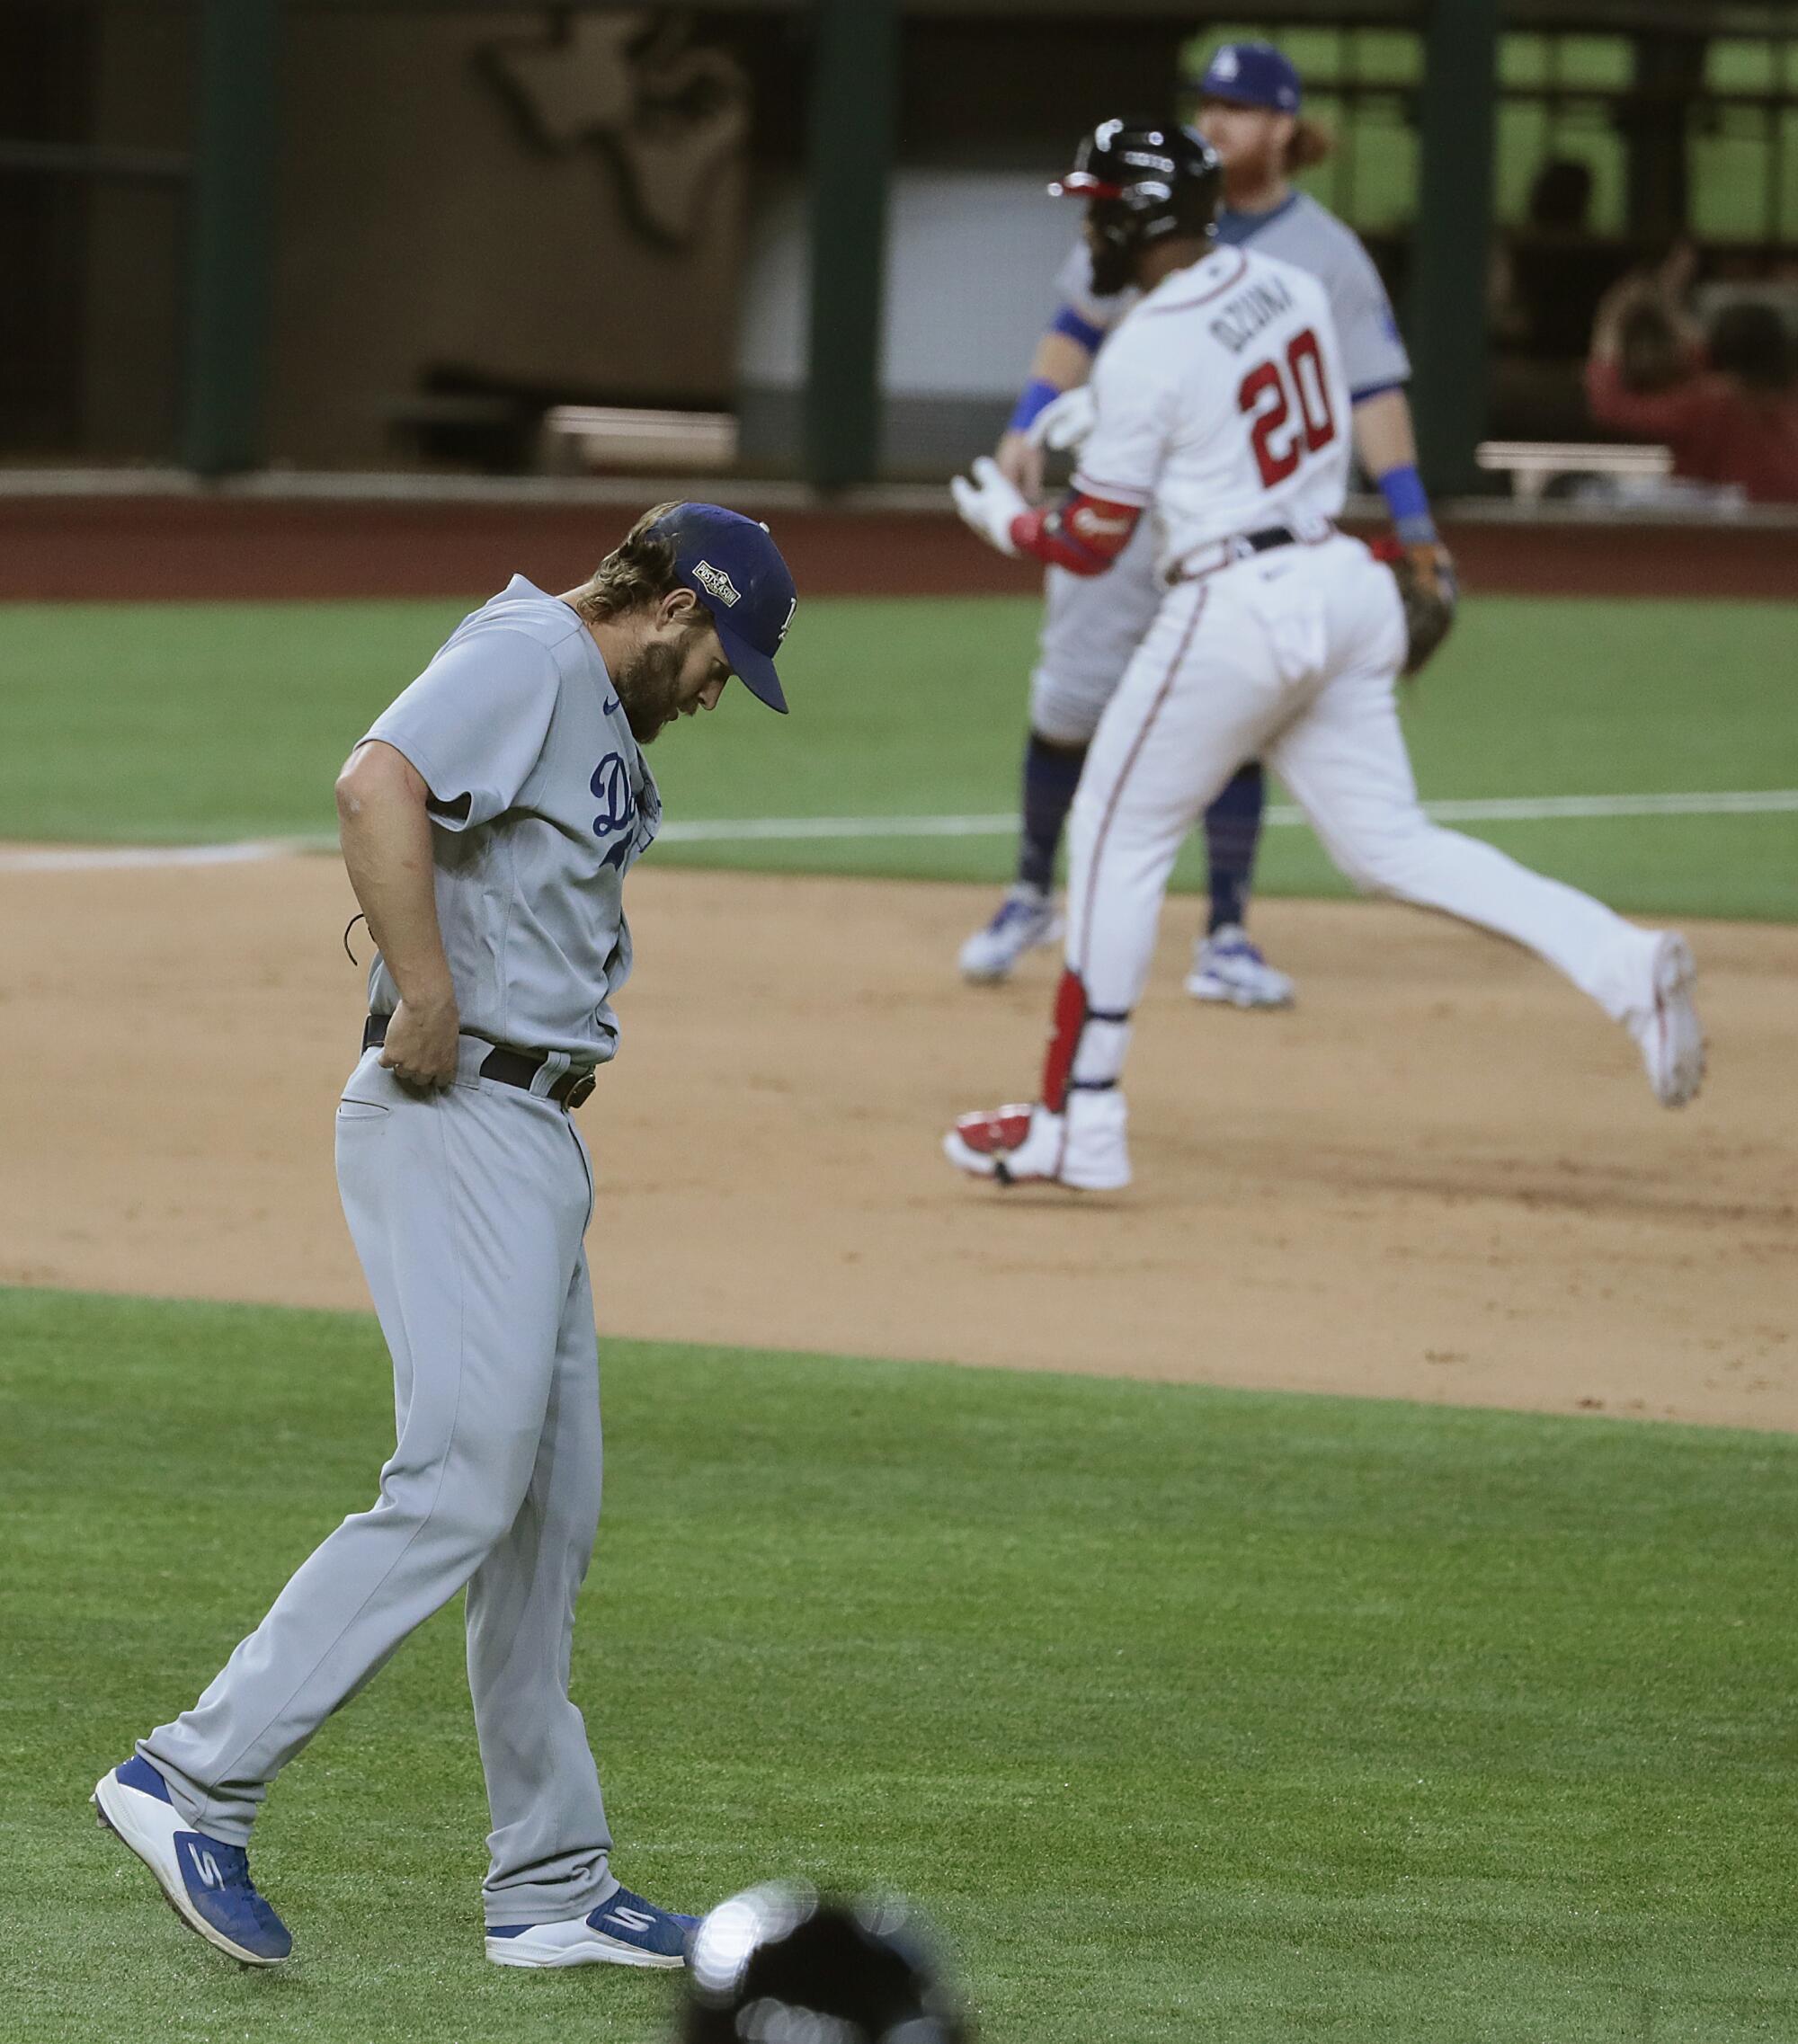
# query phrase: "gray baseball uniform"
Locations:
[[1092, 624], [469, 1207]]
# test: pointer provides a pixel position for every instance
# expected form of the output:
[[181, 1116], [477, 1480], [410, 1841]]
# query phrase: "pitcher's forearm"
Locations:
[[385, 830]]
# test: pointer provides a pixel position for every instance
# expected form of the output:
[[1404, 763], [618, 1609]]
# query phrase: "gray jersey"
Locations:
[[541, 803], [1310, 237]]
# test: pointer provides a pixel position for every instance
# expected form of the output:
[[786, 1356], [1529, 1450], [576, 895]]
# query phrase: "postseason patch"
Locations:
[[717, 583]]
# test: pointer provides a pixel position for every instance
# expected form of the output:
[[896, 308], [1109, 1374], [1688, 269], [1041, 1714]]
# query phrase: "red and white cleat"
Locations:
[[982, 1145], [1084, 1147], [1666, 1025]]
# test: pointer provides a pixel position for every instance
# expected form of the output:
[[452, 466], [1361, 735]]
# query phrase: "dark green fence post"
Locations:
[[1670, 75], [1452, 249], [855, 83], [231, 234]]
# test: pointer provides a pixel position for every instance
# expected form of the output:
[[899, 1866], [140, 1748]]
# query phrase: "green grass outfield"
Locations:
[[1189, 1714], [177, 721]]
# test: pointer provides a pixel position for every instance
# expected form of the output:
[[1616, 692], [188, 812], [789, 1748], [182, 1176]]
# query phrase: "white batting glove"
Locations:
[[1066, 423], [988, 503]]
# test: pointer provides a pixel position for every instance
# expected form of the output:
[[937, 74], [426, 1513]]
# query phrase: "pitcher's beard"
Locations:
[[648, 687]]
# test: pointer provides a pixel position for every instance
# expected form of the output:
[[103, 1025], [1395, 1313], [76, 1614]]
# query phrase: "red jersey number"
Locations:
[[1289, 408]]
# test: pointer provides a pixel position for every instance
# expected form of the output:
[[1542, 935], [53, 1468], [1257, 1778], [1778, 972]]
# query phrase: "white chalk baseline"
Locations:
[[796, 829]]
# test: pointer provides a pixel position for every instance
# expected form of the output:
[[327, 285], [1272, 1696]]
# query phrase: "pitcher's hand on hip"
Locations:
[[421, 1041]]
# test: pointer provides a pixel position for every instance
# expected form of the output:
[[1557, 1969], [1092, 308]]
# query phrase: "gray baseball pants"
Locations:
[[1091, 627], [468, 1208]]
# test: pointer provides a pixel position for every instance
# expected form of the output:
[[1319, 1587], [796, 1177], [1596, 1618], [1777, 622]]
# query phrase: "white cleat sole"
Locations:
[[997, 1170], [972, 1161], [133, 1818], [545, 1945], [1221, 993]]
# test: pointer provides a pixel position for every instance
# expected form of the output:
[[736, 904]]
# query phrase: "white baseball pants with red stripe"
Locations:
[[1291, 657]]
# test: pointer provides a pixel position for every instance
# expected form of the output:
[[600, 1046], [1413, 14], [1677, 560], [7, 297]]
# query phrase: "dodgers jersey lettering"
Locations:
[[1309, 236], [1221, 401], [541, 803]]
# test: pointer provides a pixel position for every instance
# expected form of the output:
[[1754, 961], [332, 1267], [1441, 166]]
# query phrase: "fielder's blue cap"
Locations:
[[732, 564], [1250, 74]]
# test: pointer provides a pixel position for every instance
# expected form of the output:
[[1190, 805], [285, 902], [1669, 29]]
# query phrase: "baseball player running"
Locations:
[[488, 820], [1221, 405], [1249, 110]]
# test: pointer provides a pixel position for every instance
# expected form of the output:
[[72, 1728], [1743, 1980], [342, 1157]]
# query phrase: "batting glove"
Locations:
[[1066, 421], [988, 503]]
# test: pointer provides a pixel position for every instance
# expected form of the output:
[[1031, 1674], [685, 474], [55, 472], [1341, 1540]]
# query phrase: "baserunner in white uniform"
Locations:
[[1220, 406], [1250, 102], [489, 818]]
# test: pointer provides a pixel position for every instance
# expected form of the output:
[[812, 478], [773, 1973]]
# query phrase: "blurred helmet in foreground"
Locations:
[[1141, 178], [779, 1965]]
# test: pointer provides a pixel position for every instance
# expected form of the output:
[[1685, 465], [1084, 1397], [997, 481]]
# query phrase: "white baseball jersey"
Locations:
[[1222, 404]]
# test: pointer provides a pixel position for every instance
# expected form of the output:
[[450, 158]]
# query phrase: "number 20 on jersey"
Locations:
[[1288, 404]]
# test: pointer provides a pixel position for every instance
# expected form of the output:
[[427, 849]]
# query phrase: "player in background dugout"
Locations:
[[1249, 100], [1725, 401]]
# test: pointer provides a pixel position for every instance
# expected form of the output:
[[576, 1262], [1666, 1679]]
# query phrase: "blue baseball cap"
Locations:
[[732, 564], [1250, 74]]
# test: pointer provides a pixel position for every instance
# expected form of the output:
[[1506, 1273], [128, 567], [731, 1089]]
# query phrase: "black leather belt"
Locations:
[[510, 1068], [1217, 554]]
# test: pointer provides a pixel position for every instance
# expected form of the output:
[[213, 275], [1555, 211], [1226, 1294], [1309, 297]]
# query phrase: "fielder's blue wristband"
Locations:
[[1408, 503], [1037, 396], [1081, 331]]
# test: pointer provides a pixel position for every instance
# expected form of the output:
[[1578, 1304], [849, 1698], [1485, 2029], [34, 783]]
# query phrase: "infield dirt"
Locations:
[[1442, 1177]]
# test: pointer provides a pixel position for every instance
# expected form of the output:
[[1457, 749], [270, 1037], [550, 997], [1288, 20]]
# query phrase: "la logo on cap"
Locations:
[[717, 582], [1224, 64]]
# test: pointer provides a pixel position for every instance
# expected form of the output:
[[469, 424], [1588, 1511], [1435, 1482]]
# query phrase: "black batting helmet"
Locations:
[[1142, 180], [777, 1965]]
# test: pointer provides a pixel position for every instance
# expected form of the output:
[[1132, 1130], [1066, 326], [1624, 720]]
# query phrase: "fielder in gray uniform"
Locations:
[[488, 820], [1249, 110]]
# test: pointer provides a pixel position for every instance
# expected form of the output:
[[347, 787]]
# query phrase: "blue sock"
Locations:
[[1051, 775], [1232, 829]]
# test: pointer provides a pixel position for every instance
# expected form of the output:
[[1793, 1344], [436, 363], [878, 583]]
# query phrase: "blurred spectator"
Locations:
[[1651, 352], [1749, 343], [1561, 196], [1725, 402], [1543, 286]]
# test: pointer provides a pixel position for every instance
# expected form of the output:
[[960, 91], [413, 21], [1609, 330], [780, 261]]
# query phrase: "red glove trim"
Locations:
[[1082, 534]]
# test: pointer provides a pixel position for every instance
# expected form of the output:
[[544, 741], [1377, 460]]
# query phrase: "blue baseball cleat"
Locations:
[[1227, 968], [207, 1881], [1024, 920], [624, 1931]]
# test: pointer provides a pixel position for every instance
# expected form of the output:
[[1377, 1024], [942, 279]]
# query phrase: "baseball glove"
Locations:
[[1428, 590]]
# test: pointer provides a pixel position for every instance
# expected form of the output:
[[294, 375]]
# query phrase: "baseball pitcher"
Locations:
[[488, 821], [1250, 100], [1221, 406]]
